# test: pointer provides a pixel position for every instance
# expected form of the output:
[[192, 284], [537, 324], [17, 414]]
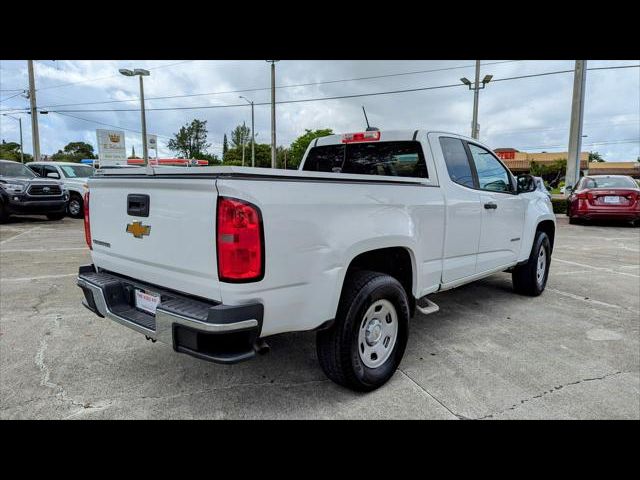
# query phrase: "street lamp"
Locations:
[[253, 135], [476, 89], [141, 73], [273, 112], [20, 123]]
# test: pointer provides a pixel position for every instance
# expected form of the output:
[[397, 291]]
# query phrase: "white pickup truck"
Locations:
[[213, 260]]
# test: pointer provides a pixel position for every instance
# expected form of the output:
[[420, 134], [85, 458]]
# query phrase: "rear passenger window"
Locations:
[[455, 156], [398, 159]]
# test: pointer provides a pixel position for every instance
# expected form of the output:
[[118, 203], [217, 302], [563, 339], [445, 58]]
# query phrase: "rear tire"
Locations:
[[363, 347], [531, 278], [55, 216]]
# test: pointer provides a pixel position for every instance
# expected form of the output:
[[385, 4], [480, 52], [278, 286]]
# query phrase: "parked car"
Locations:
[[213, 260], [23, 193], [608, 197], [541, 186], [73, 176]]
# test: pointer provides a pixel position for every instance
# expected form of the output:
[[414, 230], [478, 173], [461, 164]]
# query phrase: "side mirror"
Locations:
[[526, 183], [53, 175]]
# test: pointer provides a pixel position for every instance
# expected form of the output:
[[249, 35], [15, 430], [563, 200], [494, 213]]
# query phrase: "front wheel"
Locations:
[[75, 207], [364, 346], [531, 278]]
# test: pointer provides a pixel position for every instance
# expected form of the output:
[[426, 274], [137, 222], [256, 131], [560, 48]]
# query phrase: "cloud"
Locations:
[[522, 113]]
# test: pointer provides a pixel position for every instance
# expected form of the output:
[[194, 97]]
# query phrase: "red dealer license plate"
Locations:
[[147, 301]]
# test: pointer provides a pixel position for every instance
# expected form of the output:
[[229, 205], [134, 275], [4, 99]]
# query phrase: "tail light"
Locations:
[[240, 241], [581, 196], [87, 225]]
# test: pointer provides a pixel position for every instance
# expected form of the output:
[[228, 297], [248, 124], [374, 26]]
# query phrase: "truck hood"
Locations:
[[30, 181]]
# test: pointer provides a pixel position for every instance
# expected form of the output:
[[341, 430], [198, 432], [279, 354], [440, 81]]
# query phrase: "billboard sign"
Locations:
[[111, 147]]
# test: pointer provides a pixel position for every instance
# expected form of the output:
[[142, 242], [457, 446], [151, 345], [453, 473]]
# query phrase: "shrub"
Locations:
[[559, 205]]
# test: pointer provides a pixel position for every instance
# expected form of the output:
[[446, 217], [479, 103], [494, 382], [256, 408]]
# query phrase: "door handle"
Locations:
[[490, 206]]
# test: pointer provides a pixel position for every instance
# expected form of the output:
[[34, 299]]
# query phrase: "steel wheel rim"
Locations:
[[541, 266], [74, 207], [377, 333]]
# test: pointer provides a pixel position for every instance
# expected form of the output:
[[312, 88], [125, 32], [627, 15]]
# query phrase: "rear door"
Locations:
[[463, 213], [502, 211], [157, 230]]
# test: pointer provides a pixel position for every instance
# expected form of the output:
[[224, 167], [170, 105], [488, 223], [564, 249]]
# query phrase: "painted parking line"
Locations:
[[19, 235], [602, 269], [42, 277], [590, 300], [42, 250]]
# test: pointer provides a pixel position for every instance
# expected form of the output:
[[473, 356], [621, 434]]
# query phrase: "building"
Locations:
[[520, 162]]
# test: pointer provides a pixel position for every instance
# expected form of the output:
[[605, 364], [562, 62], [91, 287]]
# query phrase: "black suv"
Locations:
[[23, 193]]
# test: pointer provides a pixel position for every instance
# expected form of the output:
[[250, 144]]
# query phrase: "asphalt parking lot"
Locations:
[[572, 353]]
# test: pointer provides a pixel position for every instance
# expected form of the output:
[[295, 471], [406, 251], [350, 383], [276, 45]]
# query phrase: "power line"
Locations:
[[556, 129], [281, 86], [336, 97], [110, 76], [612, 142], [12, 96]]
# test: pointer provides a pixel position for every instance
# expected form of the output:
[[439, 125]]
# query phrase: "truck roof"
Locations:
[[385, 136]]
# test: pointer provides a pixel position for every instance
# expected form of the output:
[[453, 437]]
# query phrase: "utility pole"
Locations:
[[476, 94], [575, 130], [273, 112], [145, 150], [476, 87], [35, 135]]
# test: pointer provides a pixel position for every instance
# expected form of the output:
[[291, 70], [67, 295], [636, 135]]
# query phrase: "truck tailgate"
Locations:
[[176, 251]]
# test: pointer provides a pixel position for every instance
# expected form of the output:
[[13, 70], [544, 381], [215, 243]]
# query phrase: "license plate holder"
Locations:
[[147, 301], [612, 199]]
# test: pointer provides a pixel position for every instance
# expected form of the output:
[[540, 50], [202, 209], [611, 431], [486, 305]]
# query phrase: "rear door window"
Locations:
[[398, 159], [457, 161]]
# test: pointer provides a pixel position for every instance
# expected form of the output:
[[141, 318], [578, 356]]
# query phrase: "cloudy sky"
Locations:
[[530, 114]]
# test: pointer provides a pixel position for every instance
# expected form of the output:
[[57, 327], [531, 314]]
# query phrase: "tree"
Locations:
[[300, 144], [551, 173], [225, 145], [240, 135], [74, 152], [191, 140], [595, 157], [11, 151], [263, 155]]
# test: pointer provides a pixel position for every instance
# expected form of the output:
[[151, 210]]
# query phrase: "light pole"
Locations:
[[253, 134], [575, 128], [20, 123], [475, 131], [243, 142], [273, 112], [142, 73]]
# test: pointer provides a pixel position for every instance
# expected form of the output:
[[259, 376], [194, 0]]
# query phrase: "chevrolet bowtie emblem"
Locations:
[[138, 230]]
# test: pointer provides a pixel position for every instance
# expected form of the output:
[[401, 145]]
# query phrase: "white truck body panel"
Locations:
[[315, 224]]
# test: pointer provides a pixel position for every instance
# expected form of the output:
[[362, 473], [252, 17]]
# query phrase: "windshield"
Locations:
[[15, 169], [609, 182], [77, 171]]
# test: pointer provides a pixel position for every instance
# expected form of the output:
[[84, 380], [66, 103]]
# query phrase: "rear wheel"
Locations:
[[364, 346], [75, 207], [531, 278], [55, 216]]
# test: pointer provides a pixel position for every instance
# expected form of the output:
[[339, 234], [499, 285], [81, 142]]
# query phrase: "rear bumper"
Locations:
[[206, 330], [613, 214]]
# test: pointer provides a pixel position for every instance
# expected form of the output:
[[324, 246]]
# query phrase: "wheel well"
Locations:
[[394, 261], [75, 194], [548, 227]]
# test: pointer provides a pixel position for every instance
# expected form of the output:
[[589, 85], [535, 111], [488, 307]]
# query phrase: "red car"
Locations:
[[610, 197]]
